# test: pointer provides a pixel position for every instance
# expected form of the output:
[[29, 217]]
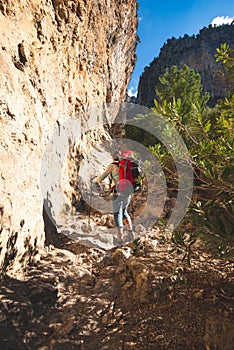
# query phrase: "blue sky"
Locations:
[[160, 20]]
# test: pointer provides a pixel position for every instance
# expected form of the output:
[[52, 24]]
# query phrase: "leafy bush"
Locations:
[[208, 135]]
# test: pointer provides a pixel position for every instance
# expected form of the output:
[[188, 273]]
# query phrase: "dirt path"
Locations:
[[140, 296]]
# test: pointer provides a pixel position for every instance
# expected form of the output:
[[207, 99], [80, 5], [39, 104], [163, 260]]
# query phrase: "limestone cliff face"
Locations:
[[57, 57], [197, 53]]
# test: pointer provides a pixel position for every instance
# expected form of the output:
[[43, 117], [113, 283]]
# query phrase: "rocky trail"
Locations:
[[139, 296], [65, 70]]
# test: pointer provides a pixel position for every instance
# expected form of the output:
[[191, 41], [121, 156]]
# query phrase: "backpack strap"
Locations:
[[125, 168], [110, 175]]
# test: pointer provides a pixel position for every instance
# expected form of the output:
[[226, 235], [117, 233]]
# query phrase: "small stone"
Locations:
[[105, 318], [86, 228], [199, 294], [122, 322], [127, 285], [139, 229], [105, 238]]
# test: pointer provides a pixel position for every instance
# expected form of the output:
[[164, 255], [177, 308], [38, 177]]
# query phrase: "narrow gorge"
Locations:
[[65, 70]]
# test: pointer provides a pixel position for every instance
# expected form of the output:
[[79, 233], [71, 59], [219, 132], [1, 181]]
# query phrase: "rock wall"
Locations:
[[197, 53], [57, 57]]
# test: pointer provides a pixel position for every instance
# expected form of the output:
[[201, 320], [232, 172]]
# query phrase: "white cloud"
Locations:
[[219, 20], [132, 92]]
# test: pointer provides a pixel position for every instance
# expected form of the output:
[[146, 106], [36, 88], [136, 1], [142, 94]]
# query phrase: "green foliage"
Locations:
[[183, 243], [179, 91], [215, 151], [138, 248], [135, 131], [225, 55], [214, 220], [208, 135]]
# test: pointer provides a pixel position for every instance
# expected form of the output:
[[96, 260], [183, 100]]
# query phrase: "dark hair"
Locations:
[[115, 155]]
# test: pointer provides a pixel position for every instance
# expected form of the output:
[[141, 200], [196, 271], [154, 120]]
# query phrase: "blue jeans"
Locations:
[[120, 205]]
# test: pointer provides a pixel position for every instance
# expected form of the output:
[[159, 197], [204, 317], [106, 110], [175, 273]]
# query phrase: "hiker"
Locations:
[[120, 200]]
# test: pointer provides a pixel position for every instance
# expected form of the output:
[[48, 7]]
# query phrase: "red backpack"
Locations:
[[126, 179]]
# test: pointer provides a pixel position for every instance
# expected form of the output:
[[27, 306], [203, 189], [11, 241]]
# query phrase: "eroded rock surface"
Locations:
[[57, 58]]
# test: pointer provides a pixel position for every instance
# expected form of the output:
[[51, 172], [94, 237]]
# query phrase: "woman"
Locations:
[[120, 200]]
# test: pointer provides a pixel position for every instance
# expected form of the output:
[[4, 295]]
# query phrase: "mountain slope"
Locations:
[[197, 52]]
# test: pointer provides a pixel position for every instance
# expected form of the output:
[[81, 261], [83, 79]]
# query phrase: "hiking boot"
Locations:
[[130, 237], [117, 243]]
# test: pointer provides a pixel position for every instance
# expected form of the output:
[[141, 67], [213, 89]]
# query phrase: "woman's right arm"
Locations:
[[107, 172]]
